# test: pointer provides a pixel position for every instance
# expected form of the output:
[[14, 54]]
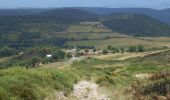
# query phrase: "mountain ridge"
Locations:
[[136, 25], [161, 15], [69, 13]]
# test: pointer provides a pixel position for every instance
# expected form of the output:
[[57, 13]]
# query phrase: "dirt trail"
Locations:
[[84, 90]]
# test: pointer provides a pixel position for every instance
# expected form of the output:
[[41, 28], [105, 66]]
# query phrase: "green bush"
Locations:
[[105, 80], [109, 47], [132, 49], [122, 49], [115, 50], [59, 54], [105, 52], [69, 55], [141, 48]]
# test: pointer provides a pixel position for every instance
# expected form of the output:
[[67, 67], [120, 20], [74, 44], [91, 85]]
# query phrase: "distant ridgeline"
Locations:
[[162, 15], [40, 26], [136, 25], [34, 29]]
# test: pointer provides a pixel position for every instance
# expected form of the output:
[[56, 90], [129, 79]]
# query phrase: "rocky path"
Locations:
[[85, 90]]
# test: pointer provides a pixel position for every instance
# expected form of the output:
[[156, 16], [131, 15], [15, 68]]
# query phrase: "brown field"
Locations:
[[125, 42], [127, 55]]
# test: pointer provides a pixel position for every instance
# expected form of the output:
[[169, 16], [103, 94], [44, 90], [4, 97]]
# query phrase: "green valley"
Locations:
[[77, 54]]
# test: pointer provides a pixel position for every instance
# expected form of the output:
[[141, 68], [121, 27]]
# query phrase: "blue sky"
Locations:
[[157, 4]]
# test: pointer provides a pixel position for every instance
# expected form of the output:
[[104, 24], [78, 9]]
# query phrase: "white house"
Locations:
[[49, 56]]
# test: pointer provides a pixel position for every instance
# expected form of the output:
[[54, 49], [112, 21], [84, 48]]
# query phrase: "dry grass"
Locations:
[[160, 39], [59, 65], [118, 42], [89, 28], [87, 35], [4, 58], [124, 56]]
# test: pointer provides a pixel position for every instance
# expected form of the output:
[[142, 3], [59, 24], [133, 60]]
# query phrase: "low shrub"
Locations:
[[105, 80], [161, 87]]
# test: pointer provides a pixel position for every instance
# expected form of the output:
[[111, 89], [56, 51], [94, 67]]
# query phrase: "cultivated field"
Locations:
[[81, 28], [125, 42]]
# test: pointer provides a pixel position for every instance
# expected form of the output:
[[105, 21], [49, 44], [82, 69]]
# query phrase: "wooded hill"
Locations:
[[18, 29], [136, 25]]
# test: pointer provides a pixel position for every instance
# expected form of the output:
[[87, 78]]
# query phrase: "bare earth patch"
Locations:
[[85, 90], [143, 76]]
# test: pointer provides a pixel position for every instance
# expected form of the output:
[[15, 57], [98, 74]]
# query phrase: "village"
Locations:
[[77, 54]]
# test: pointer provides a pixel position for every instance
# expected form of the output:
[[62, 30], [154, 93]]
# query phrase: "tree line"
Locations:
[[33, 57], [138, 48]]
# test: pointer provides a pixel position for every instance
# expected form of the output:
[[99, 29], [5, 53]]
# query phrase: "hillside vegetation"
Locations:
[[121, 41], [162, 15], [113, 75], [137, 25], [158, 58], [75, 54], [34, 84], [59, 26], [34, 57]]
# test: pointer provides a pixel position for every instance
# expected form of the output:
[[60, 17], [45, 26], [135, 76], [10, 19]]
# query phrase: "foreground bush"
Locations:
[[160, 87], [33, 84], [157, 88]]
